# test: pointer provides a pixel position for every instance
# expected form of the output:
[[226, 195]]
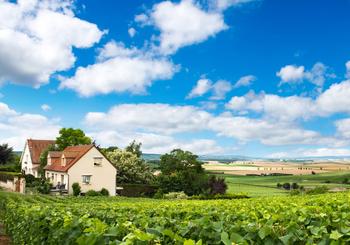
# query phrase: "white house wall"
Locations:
[[103, 176], [26, 161]]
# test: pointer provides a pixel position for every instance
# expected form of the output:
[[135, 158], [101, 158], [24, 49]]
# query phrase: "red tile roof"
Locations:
[[72, 155], [36, 147]]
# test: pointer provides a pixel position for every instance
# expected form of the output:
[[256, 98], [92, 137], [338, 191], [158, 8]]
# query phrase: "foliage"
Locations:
[[44, 186], [317, 190], [181, 171], [92, 193], [71, 137], [43, 159], [15, 167], [104, 192], [76, 189], [137, 190], [6, 154], [176, 195], [320, 219], [216, 185], [131, 168], [135, 148], [29, 179], [220, 196]]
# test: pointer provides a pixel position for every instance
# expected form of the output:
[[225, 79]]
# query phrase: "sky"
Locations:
[[261, 78]]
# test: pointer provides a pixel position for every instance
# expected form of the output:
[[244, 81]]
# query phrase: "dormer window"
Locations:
[[49, 160], [98, 161], [63, 161]]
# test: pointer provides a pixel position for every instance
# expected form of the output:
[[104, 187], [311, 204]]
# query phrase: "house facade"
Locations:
[[83, 164], [30, 158]]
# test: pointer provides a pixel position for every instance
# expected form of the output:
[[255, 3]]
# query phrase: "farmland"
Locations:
[[273, 220]]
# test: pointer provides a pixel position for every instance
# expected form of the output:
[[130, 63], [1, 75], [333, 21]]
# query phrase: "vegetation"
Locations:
[[318, 219], [70, 137], [76, 189], [6, 154], [9, 160], [43, 158], [181, 171]]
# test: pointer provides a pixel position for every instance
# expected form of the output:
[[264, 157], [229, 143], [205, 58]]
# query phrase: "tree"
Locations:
[[71, 137], [130, 168], [6, 154], [135, 148], [217, 185], [181, 171]]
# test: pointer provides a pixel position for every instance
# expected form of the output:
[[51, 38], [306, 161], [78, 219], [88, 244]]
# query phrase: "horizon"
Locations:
[[254, 78]]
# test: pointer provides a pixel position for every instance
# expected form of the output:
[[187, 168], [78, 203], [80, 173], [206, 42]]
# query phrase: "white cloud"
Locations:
[[37, 37], [182, 24], [347, 65], [132, 32], [296, 74], [220, 89], [222, 5], [343, 128], [203, 86], [45, 107], [325, 152], [119, 69], [245, 81], [16, 127], [291, 74]]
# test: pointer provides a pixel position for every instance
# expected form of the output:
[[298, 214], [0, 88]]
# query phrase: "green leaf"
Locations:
[[225, 239], [335, 235], [189, 242]]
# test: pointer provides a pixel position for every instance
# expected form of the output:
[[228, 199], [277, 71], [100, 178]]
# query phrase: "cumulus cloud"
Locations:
[[37, 38], [347, 66], [202, 87], [293, 74], [222, 5], [220, 89], [119, 69], [132, 32], [333, 100], [45, 107], [245, 81], [169, 120], [182, 24], [16, 127]]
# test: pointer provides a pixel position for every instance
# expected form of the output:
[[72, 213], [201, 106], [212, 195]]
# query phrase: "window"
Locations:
[[97, 161], [86, 179]]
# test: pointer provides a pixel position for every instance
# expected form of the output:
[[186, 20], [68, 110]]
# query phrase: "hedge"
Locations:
[[137, 190]]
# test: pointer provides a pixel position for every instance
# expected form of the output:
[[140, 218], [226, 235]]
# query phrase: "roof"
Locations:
[[72, 155], [36, 147]]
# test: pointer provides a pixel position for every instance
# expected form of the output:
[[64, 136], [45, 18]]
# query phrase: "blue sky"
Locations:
[[258, 78]]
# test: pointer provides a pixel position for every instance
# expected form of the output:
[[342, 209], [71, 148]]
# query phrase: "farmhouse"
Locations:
[[83, 164], [30, 158]]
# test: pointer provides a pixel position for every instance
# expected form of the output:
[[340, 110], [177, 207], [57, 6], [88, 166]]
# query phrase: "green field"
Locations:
[[38, 219], [266, 185]]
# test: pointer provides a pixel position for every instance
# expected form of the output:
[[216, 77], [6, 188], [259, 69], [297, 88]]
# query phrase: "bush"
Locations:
[[76, 189], [44, 186], [92, 193], [175, 195], [104, 192], [317, 190], [10, 168], [286, 186], [279, 185], [31, 181], [346, 181], [217, 185], [136, 190], [295, 192], [295, 186]]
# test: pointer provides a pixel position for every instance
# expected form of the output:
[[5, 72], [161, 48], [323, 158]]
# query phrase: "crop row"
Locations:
[[321, 219]]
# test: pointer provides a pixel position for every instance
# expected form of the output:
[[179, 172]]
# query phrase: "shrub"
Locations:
[[136, 190], [29, 178], [76, 189], [216, 185], [346, 181], [176, 195], [279, 185], [92, 193], [286, 186], [317, 190], [295, 186], [44, 186], [219, 196], [295, 192], [104, 192]]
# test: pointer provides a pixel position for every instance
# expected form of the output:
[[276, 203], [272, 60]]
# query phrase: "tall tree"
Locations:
[[181, 171], [6, 153], [70, 137], [135, 148]]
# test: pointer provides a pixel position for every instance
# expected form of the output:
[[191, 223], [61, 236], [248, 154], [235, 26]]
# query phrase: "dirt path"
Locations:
[[4, 239]]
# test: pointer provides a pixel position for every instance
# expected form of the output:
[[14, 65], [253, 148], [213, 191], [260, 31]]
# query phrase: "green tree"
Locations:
[[130, 168], [6, 154], [181, 171], [135, 148], [70, 137]]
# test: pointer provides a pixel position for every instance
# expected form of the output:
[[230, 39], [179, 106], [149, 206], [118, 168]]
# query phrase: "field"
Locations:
[[321, 219], [266, 185]]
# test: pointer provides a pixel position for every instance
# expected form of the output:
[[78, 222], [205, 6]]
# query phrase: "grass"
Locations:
[[266, 185]]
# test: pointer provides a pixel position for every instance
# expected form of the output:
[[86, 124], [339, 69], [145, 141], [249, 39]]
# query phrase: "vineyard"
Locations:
[[319, 219]]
